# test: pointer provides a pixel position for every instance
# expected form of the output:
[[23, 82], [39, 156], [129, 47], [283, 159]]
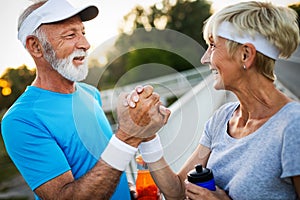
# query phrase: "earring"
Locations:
[[244, 67]]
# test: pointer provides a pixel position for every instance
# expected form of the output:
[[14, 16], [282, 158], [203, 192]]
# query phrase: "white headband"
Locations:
[[54, 11], [228, 31]]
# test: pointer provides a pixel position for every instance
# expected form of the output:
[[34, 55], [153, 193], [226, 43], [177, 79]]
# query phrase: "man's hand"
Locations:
[[140, 113]]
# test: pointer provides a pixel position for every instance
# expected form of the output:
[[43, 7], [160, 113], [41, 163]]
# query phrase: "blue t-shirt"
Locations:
[[48, 133]]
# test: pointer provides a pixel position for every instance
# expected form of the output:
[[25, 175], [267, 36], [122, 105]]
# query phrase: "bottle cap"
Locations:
[[200, 175], [141, 164]]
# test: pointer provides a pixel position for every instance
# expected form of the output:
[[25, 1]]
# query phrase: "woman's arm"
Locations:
[[170, 184]]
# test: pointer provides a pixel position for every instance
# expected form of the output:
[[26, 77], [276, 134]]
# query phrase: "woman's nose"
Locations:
[[206, 57]]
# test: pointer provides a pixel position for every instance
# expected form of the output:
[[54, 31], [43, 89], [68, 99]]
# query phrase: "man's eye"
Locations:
[[70, 36]]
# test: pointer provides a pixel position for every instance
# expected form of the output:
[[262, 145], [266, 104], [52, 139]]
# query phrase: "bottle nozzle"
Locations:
[[199, 168]]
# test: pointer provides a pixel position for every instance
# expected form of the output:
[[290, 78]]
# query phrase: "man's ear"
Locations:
[[34, 46], [248, 54]]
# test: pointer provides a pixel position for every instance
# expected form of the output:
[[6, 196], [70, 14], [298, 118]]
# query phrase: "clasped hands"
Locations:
[[141, 113]]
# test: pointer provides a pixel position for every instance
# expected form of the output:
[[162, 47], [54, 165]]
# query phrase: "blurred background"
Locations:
[[132, 42]]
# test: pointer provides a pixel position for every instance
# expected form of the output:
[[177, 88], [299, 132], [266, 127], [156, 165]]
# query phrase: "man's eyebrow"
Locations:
[[74, 29]]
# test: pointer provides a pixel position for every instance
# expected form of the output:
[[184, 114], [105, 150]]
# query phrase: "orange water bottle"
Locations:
[[145, 186]]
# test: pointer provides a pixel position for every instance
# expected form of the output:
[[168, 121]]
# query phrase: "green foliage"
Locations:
[[8, 169], [188, 17], [139, 68], [18, 78], [153, 40], [296, 7]]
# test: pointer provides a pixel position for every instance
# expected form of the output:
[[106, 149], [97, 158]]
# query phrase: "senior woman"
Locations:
[[251, 145]]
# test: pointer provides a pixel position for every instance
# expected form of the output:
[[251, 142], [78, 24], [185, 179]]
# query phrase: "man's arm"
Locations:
[[135, 125], [99, 183]]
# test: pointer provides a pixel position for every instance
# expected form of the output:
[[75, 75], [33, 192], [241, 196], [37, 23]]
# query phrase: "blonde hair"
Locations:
[[277, 24]]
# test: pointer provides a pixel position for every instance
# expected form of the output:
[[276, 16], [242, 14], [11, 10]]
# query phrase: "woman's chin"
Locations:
[[218, 85]]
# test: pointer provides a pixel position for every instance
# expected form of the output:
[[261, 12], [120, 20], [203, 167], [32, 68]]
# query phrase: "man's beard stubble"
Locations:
[[65, 66]]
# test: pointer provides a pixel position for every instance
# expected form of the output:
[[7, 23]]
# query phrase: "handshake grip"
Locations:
[[138, 122], [146, 118]]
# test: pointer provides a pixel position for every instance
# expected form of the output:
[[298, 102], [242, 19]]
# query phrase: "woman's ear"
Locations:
[[34, 46], [248, 54]]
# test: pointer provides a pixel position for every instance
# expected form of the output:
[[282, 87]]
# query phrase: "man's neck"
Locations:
[[51, 80]]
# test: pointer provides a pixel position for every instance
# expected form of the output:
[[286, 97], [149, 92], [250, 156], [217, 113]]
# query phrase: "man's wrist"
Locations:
[[128, 139], [118, 154]]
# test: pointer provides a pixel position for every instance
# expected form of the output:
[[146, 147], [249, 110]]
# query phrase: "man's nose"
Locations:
[[83, 43]]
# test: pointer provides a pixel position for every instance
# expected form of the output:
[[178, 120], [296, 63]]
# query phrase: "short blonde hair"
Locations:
[[277, 24]]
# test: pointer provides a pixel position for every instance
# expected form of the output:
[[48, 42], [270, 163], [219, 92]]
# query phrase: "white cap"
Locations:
[[54, 11]]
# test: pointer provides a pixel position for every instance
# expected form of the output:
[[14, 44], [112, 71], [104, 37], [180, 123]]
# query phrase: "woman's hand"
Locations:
[[196, 192]]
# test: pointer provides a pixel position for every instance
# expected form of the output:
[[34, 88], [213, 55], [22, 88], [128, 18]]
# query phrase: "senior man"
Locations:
[[56, 133]]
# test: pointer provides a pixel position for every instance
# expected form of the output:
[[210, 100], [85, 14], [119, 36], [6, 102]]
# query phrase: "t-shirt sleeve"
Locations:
[[205, 139], [34, 152], [290, 149], [214, 126]]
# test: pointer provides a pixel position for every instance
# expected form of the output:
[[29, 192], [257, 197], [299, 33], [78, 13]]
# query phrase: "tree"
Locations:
[[296, 7], [18, 79], [185, 16], [168, 33]]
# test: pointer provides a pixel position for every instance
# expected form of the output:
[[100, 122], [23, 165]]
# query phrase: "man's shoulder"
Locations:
[[86, 87], [90, 90], [24, 102]]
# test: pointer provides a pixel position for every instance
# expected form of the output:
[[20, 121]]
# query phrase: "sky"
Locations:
[[99, 30]]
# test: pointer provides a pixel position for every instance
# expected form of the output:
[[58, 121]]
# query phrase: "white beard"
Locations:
[[65, 66]]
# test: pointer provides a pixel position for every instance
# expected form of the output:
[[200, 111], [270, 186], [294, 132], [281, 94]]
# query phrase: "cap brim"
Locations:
[[88, 13]]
